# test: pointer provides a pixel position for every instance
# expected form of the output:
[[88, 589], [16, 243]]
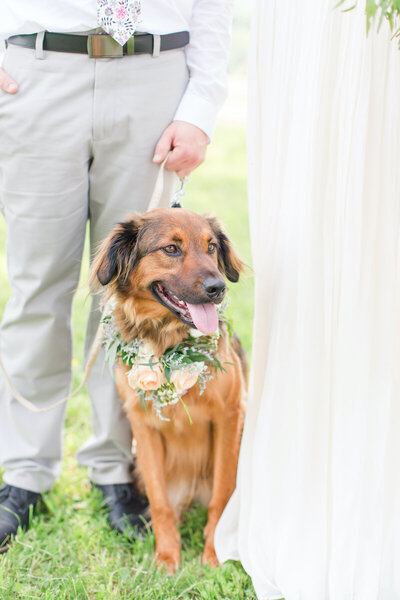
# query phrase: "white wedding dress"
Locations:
[[316, 512]]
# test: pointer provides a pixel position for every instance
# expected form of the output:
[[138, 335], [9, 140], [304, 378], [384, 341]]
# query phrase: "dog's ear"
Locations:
[[117, 255], [228, 261]]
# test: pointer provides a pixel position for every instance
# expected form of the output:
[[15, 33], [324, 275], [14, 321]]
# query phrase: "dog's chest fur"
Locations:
[[188, 447], [188, 454]]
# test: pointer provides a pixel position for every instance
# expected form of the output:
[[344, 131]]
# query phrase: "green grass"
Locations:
[[69, 552]]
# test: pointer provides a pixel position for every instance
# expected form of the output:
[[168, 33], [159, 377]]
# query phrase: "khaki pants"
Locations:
[[76, 143]]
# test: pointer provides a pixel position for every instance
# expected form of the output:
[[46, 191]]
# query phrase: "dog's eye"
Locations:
[[171, 249], [211, 247]]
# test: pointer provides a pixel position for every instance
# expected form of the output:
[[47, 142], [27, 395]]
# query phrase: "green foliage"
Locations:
[[70, 553], [378, 11]]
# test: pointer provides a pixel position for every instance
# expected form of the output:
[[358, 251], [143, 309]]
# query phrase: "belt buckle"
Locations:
[[103, 46]]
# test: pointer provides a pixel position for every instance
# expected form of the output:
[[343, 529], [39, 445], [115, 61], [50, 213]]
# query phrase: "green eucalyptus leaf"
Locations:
[[377, 11]]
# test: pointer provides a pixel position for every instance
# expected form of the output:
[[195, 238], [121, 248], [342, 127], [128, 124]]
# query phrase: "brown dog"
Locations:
[[165, 270]]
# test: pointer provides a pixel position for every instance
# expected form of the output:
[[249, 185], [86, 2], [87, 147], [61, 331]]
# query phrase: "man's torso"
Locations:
[[31, 16]]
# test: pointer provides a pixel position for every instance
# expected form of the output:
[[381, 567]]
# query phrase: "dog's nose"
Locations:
[[213, 287]]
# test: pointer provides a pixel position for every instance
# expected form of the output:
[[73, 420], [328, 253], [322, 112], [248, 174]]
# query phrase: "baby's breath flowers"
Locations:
[[163, 380]]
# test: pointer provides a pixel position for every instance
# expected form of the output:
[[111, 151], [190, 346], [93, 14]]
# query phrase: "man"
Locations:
[[86, 113]]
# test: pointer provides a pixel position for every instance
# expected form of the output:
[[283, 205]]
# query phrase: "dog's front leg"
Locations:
[[227, 433], [151, 457]]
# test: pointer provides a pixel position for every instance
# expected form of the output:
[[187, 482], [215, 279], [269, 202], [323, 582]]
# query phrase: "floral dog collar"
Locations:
[[165, 379]]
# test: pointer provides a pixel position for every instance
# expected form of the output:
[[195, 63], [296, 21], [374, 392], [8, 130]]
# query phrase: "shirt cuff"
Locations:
[[198, 111]]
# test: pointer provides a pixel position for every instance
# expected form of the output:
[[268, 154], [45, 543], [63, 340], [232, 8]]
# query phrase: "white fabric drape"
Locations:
[[316, 513]]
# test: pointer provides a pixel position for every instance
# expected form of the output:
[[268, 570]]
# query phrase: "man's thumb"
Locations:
[[6, 83], [163, 147]]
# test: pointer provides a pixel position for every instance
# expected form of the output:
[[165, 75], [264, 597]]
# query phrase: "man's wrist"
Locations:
[[197, 111], [206, 138]]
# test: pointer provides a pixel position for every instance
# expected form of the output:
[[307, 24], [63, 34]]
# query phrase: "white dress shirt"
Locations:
[[208, 21]]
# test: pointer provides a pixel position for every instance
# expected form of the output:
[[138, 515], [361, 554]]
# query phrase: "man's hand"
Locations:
[[6, 83], [188, 144]]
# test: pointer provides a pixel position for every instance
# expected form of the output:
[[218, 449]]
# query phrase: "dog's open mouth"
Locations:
[[202, 316]]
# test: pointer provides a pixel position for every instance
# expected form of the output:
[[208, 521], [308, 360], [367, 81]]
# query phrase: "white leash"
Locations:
[[98, 340], [159, 188], [94, 351]]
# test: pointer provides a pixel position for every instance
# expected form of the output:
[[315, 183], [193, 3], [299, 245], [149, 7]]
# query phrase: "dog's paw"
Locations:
[[169, 561], [209, 557]]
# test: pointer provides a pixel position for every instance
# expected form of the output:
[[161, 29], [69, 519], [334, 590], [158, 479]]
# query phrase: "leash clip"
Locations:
[[176, 201]]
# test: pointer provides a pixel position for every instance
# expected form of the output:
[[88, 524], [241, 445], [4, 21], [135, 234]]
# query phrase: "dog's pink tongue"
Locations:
[[204, 317]]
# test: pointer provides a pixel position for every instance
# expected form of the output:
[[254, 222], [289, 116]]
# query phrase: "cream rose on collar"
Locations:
[[146, 377], [184, 379]]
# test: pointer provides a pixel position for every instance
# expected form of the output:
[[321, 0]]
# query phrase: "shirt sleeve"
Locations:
[[207, 56]]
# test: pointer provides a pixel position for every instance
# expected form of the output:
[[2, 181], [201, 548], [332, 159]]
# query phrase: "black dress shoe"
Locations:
[[15, 506], [128, 509]]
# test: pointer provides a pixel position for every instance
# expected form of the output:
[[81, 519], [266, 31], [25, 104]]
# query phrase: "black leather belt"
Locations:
[[103, 45]]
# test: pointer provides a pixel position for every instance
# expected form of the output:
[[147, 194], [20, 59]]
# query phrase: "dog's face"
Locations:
[[173, 261]]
